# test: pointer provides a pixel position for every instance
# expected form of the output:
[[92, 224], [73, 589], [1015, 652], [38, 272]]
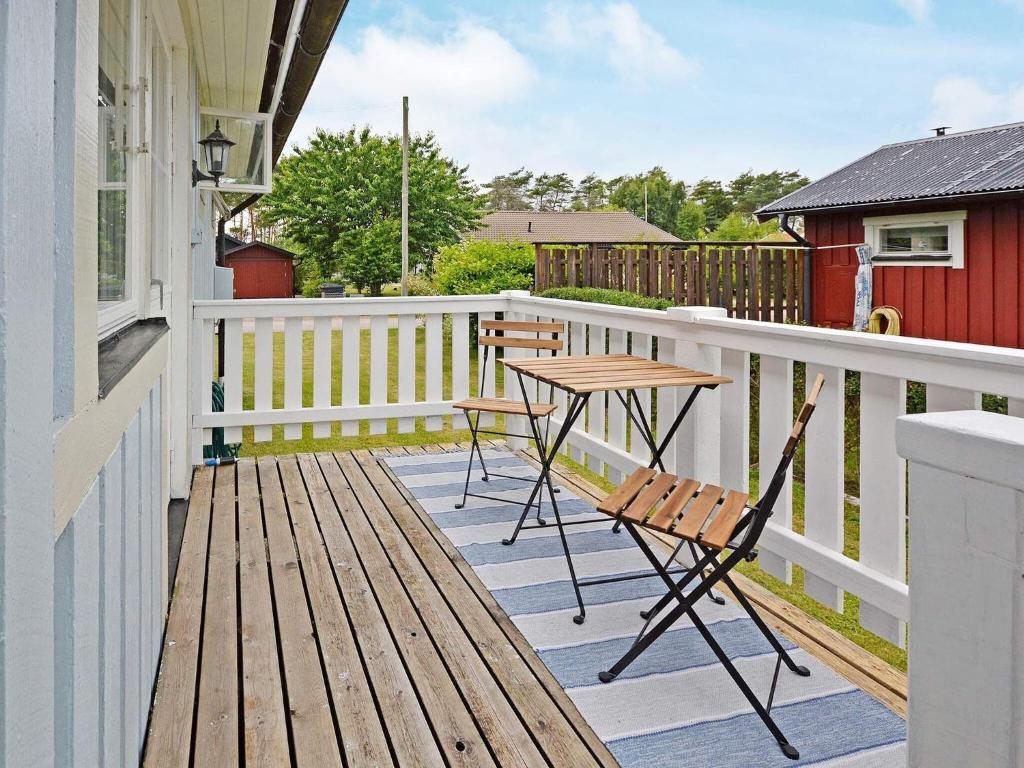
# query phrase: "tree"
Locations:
[[716, 201], [738, 226], [590, 194], [751, 191], [690, 221], [507, 192], [340, 201], [551, 192], [664, 197], [484, 266]]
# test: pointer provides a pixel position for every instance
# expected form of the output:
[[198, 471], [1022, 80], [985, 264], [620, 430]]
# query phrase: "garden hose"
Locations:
[[892, 317], [218, 449]]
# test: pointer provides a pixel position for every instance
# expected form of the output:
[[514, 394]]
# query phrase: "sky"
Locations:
[[703, 88]]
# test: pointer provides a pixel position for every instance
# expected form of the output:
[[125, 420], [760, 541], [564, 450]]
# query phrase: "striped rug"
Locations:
[[676, 705]]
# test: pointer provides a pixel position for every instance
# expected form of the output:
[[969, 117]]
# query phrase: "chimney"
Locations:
[[529, 226], [941, 130]]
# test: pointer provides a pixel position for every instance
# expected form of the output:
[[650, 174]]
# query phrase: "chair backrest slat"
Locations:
[[521, 325], [491, 328], [515, 342]]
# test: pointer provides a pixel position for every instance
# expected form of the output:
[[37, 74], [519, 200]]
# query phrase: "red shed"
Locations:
[[944, 217], [262, 271]]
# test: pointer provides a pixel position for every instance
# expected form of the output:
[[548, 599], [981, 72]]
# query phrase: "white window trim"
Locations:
[[954, 220], [265, 118]]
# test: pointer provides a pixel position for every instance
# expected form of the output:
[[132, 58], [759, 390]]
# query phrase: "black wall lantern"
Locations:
[[215, 148]]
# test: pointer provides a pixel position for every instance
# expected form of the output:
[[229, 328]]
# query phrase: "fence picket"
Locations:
[[488, 389], [735, 421], [351, 337], [263, 374], [776, 422], [824, 490], [322, 371], [406, 367], [378, 369], [616, 413], [433, 370], [883, 521], [595, 408], [232, 375], [293, 372], [640, 345]]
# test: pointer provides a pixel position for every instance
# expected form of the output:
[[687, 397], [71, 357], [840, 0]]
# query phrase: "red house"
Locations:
[[262, 271], [944, 217]]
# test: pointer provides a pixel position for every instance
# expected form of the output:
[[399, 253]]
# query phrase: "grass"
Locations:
[[846, 623]]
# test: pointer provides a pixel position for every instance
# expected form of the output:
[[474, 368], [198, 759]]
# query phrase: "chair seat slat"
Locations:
[[624, 494], [669, 510], [720, 531], [644, 502], [689, 526], [500, 405]]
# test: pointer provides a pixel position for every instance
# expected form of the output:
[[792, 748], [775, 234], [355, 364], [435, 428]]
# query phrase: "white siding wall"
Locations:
[[108, 603]]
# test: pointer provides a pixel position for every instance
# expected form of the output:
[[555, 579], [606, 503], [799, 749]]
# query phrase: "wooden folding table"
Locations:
[[580, 376]]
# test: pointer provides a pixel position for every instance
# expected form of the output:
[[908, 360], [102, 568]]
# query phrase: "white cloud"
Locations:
[[456, 82], [963, 103], [635, 50], [919, 10]]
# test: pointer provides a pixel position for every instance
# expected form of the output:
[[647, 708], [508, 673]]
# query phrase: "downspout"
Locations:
[[785, 226], [219, 261]]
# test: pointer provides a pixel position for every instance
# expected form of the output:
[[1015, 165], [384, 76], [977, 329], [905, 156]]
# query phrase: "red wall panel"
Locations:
[[261, 274], [982, 303]]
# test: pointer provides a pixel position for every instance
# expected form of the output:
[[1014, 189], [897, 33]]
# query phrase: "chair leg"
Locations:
[[765, 629], [474, 446], [685, 606]]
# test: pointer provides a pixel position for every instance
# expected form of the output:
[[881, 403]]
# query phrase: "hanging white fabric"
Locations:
[[862, 288]]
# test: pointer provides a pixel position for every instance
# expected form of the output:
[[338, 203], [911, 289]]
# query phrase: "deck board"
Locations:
[[320, 619]]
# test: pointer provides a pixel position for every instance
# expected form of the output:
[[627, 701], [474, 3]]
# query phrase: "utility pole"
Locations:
[[645, 201], [405, 195]]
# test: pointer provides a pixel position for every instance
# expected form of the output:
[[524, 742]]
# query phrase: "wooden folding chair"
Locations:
[[495, 333], [716, 521]]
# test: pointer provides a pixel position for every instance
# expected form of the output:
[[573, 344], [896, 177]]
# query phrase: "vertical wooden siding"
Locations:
[[109, 609], [981, 303]]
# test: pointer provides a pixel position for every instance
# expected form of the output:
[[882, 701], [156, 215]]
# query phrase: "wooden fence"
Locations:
[[752, 281]]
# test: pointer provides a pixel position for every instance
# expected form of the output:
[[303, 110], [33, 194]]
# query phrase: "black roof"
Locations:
[[987, 160]]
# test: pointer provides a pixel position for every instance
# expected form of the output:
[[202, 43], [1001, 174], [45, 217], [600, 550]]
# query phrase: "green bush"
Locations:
[[484, 266], [421, 286], [606, 296]]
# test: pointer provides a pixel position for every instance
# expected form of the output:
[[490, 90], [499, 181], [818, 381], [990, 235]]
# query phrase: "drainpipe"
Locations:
[[785, 226], [219, 261]]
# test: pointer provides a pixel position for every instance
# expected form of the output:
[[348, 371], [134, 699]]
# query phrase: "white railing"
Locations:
[[714, 443]]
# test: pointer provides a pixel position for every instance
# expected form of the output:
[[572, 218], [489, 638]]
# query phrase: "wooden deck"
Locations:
[[319, 619]]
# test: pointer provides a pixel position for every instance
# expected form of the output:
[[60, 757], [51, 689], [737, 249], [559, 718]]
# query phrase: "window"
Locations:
[[920, 239], [115, 295]]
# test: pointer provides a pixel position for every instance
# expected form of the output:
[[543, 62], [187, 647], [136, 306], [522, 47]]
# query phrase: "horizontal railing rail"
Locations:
[[360, 362]]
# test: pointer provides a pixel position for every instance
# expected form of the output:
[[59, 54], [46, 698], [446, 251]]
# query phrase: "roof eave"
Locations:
[[765, 215]]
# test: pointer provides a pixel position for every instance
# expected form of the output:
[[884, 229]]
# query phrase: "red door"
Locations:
[[833, 270]]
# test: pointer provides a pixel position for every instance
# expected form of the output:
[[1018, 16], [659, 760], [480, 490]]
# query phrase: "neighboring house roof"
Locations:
[[231, 242], [570, 227], [987, 160], [257, 244]]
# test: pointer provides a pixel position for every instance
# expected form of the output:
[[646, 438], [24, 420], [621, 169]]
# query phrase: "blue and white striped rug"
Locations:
[[676, 705]]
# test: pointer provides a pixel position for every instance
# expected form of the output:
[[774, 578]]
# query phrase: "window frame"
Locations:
[[112, 316], [874, 226]]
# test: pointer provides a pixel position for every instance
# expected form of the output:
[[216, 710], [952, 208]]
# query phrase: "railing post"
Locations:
[[967, 598], [698, 442]]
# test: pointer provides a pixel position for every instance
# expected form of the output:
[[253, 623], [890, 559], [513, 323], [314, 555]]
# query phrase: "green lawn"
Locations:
[[845, 623]]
